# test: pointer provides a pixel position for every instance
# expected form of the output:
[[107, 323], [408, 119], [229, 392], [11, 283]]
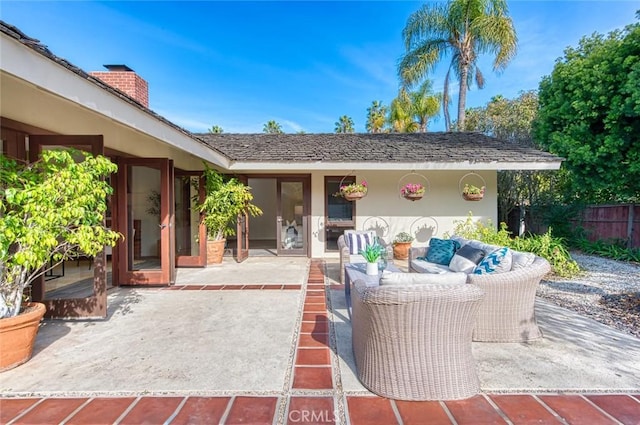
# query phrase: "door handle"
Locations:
[[162, 226]]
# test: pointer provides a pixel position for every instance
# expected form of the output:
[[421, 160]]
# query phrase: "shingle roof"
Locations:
[[437, 147]]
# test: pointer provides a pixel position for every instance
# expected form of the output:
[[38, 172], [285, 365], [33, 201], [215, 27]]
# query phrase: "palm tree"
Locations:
[[216, 129], [344, 125], [425, 104], [461, 30], [376, 117], [401, 113], [272, 127]]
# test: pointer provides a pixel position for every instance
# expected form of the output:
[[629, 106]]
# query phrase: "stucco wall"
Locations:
[[386, 211]]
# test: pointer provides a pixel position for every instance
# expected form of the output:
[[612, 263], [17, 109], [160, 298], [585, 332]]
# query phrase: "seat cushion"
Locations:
[[499, 261], [466, 259], [357, 241], [422, 266], [441, 251], [390, 278]]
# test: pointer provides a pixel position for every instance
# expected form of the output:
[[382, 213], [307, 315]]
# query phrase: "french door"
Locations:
[[190, 232], [146, 218], [75, 288], [292, 230]]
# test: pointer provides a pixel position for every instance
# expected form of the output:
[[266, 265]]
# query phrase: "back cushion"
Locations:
[[522, 260], [358, 241], [441, 250], [466, 259]]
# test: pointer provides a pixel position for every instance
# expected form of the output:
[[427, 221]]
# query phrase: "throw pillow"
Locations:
[[522, 260], [441, 250], [466, 259], [499, 261], [358, 241], [389, 278]]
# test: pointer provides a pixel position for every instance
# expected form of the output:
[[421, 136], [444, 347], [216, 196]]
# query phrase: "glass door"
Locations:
[[292, 223], [146, 219], [76, 288], [191, 235]]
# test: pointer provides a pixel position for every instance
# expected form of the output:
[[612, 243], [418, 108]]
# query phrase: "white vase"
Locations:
[[372, 269]]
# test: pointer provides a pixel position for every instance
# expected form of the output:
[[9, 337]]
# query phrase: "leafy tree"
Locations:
[[400, 114], [51, 210], [216, 129], [272, 127], [411, 110], [590, 115], [461, 30], [511, 120], [344, 125], [376, 117]]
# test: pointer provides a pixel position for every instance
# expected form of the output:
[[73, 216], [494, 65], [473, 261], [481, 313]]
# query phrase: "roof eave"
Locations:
[[444, 166]]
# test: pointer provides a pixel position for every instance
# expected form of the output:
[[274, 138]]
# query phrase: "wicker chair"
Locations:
[[507, 311], [413, 342], [346, 257]]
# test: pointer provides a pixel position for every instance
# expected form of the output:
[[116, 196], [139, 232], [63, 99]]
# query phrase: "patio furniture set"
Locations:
[[412, 332]]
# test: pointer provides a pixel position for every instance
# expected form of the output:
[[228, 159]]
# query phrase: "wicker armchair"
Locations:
[[507, 311], [346, 257], [413, 342]]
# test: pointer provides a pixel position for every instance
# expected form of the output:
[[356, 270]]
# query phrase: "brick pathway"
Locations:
[[315, 398]]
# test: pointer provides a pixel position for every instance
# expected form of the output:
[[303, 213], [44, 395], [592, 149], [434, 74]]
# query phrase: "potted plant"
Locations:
[[413, 191], [354, 191], [472, 193], [224, 200], [51, 211], [372, 253], [401, 245]]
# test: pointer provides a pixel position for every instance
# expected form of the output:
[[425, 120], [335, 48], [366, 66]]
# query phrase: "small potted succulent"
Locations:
[[413, 191], [401, 245], [354, 191], [372, 253], [472, 193]]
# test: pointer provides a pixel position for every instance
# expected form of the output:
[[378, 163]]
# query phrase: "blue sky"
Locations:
[[303, 64]]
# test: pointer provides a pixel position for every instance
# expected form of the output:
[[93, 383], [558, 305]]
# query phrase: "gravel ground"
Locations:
[[607, 291]]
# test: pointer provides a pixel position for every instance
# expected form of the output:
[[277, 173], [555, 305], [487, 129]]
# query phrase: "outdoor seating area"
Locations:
[[302, 358]]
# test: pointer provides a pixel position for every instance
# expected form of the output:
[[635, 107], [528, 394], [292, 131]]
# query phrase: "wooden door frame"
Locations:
[[201, 259], [306, 204], [166, 274], [94, 306]]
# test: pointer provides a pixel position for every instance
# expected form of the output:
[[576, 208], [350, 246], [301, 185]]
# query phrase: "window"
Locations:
[[339, 213]]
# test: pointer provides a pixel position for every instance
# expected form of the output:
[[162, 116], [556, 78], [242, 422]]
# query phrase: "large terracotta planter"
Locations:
[[401, 250], [215, 251], [18, 334]]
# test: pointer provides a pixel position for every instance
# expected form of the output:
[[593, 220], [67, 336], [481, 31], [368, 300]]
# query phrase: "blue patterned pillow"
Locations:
[[441, 251], [499, 261]]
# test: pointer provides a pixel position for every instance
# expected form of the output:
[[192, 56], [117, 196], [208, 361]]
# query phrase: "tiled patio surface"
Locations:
[[315, 394]]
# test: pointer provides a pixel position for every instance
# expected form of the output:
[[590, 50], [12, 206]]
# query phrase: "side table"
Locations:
[[355, 271]]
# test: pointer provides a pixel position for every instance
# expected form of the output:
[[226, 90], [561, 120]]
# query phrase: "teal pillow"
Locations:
[[499, 261], [441, 251]]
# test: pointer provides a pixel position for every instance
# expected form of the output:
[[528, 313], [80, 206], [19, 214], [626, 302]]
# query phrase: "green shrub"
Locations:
[[614, 248], [547, 246]]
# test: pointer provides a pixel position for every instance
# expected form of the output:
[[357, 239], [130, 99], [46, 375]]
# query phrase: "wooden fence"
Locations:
[[621, 221]]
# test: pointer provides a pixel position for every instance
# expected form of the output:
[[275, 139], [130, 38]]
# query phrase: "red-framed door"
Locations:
[[76, 288], [191, 234], [146, 218]]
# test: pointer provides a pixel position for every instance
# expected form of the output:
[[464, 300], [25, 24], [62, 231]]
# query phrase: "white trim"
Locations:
[[306, 166], [28, 65]]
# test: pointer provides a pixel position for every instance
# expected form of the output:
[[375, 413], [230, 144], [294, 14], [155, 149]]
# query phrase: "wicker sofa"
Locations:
[[413, 342], [507, 312], [347, 257]]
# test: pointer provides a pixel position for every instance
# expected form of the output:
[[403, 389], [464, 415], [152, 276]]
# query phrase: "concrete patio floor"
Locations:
[[269, 339]]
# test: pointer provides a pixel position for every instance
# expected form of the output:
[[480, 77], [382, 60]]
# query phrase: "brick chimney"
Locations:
[[124, 79]]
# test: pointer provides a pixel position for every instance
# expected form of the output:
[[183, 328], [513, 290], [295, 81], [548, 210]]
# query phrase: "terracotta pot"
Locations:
[[215, 251], [18, 334], [473, 196], [401, 250], [354, 196]]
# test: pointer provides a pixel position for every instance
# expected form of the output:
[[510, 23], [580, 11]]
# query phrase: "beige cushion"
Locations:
[[390, 278], [522, 260], [422, 266]]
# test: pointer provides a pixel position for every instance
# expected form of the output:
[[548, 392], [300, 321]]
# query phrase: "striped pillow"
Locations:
[[499, 261], [358, 241]]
